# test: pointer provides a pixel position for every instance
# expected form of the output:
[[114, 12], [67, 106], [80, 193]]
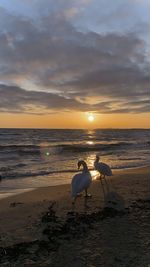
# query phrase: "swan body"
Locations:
[[81, 181], [102, 168]]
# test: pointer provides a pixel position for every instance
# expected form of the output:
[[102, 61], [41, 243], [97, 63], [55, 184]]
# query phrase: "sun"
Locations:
[[91, 117]]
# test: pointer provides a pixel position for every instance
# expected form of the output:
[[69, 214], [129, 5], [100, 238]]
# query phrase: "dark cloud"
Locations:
[[15, 100], [64, 66]]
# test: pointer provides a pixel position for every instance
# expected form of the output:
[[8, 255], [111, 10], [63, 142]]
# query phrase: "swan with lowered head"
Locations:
[[81, 181], [102, 168]]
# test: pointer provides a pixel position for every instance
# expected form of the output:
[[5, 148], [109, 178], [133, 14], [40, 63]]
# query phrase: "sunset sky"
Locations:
[[62, 60]]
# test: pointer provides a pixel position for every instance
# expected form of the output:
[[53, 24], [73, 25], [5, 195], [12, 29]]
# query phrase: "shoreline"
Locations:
[[18, 191], [56, 192], [21, 224]]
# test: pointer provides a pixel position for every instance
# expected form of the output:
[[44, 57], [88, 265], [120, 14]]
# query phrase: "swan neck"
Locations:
[[96, 161], [85, 168]]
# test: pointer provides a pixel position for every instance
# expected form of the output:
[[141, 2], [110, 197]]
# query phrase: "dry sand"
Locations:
[[84, 235]]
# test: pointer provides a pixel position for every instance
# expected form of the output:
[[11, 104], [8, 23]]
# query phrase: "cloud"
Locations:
[[50, 64], [17, 100]]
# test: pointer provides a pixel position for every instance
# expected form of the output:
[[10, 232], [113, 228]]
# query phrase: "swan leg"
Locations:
[[99, 177], [74, 200], [107, 185], [103, 188], [103, 176], [85, 204], [86, 194]]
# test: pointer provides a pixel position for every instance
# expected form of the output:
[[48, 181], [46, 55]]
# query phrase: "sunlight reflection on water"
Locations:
[[90, 142], [95, 174]]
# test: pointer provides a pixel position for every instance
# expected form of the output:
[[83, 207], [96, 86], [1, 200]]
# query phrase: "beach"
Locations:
[[53, 232]]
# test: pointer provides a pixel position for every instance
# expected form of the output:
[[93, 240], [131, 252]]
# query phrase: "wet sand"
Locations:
[[52, 232]]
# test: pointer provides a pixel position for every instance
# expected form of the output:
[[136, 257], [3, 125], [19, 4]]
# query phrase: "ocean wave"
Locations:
[[15, 175], [7, 169], [93, 147], [18, 175], [23, 150], [134, 158], [58, 149], [18, 147]]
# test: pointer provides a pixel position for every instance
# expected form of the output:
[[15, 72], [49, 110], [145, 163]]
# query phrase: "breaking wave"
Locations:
[[57, 149]]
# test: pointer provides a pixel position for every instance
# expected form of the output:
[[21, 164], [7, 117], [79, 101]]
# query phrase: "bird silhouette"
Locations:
[[81, 181], [102, 168]]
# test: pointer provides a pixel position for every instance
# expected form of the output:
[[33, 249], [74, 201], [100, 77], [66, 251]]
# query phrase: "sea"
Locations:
[[32, 158]]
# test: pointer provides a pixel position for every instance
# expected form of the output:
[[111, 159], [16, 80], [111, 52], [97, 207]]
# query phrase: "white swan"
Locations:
[[81, 181], [102, 168]]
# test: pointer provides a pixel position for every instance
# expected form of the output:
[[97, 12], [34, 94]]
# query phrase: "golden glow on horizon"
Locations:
[[74, 120]]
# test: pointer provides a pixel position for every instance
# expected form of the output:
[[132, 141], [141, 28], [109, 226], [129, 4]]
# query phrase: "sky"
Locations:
[[61, 60]]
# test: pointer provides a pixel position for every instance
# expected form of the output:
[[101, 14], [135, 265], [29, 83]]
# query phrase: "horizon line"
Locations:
[[104, 128]]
